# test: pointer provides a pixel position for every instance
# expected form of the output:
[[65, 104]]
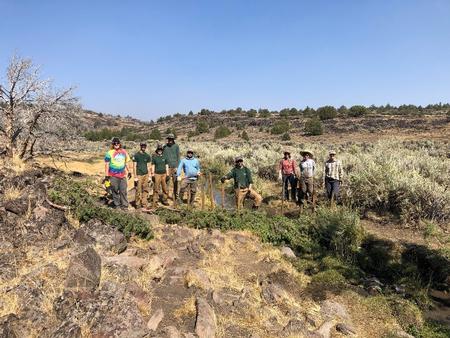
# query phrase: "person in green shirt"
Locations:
[[172, 154], [242, 184], [140, 169], [160, 170]]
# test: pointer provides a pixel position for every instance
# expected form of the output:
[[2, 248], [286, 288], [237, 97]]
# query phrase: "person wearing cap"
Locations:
[[190, 166], [159, 171], [116, 172], [171, 152], [242, 184], [333, 174], [307, 171], [287, 174], [141, 160]]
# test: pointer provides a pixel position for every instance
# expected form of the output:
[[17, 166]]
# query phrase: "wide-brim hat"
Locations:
[[306, 152], [238, 158], [332, 152], [159, 147], [190, 150], [170, 136]]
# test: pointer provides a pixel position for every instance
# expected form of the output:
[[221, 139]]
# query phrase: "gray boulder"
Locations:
[[107, 238], [84, 270], [205, 324]]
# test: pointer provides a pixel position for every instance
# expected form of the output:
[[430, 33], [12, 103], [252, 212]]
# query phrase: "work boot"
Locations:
[[164, 202], [255, 207]]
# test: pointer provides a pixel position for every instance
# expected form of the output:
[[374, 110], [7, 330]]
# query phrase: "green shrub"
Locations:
[[357, 111], [155, 134], [326, 281], [285, 137], [221, 132], [430, 330], [280, 127], [326, 112], [201, 127], [244, 136], [75, 195], [277, 230], [338, 231], [313, 127]]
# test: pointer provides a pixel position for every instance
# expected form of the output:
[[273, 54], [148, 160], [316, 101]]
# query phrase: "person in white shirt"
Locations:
[[307, 171]]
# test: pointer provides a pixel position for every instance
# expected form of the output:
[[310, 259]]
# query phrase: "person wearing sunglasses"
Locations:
[[117, 172]]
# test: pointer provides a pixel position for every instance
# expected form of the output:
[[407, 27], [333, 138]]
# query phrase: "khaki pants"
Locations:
[[242, 193], [160, 182], [142, 191], [306, 189], [191, 186], [173, 177]]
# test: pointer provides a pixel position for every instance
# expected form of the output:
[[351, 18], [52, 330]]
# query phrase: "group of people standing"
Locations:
[[164, 168], [300, 178]]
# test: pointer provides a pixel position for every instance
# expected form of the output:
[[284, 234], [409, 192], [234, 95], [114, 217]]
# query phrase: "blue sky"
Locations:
[[150, 58]]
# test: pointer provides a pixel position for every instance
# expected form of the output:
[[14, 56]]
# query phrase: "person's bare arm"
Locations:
[[167, 170], [106, 168]]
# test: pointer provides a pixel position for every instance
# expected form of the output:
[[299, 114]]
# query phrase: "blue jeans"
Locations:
[[332, 187], [290, 180]]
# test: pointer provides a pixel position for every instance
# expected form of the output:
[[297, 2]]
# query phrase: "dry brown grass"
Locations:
[[12, 193], [187, 309]]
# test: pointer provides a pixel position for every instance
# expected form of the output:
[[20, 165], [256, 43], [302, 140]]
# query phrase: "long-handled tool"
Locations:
[[222, 190], [211, 192]]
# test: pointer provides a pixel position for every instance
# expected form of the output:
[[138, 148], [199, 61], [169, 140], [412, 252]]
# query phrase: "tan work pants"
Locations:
[[242, 193], [142, 191], [160, 182]]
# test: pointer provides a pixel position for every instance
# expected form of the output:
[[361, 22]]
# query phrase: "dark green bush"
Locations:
[[155, 134], [244, 136], [326, 112], [221, 132], [357, 110], [285, 137], [313, 127], [280, 127], [201, 127]]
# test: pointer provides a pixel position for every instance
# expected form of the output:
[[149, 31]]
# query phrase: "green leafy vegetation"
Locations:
[[155, 134], [201, 127], [221, 132], [326, 112], [285, 137], [280, 127], [357, 111], [313, 127], [244, 136], [77, 195]]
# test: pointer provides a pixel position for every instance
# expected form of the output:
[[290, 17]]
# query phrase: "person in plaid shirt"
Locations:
[[333, 174]]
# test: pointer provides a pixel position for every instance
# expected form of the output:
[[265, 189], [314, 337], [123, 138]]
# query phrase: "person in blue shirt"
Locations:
[[190, 166]]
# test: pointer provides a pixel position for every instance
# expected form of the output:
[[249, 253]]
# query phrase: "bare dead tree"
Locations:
[[30, 108]]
